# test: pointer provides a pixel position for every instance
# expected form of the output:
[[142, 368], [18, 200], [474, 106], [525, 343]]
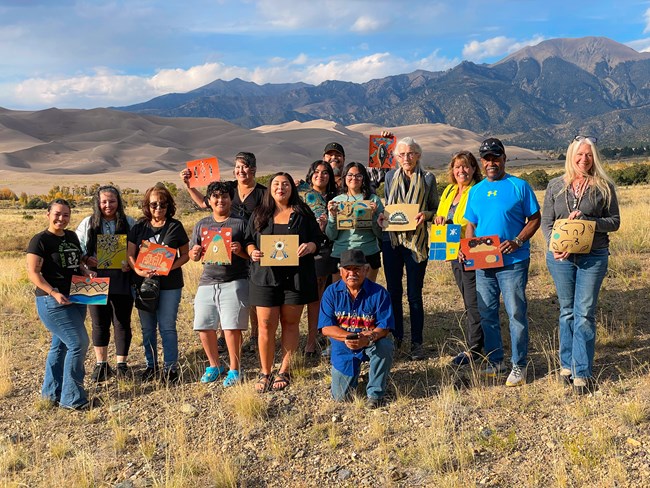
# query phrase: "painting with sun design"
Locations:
[[354, 215], [380, 152], [444, 242], [203, 171], [216, 246], [89, 291], [280, 250], [111, 251]]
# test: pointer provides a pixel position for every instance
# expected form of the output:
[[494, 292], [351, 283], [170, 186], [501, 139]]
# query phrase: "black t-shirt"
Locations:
[[173, 235], [243, 210], [61, 258], [216, 273]]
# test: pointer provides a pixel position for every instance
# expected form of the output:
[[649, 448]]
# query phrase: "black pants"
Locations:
[[466, 281], [118, 311]]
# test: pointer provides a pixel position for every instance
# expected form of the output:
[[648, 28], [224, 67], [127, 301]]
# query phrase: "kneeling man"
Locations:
[[356, 314]]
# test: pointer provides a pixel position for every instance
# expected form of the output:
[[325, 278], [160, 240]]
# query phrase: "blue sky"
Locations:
[[85, 54]]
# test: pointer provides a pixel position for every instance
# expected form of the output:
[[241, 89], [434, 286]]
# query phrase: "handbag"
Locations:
[[147, 295]]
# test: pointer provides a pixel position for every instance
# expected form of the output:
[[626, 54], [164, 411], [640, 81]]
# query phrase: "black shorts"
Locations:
[[323, 263], [374, 260], [274, 296]]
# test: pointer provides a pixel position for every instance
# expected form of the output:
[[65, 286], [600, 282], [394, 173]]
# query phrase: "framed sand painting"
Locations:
[[279, 250], [400, 217], [354, 215]]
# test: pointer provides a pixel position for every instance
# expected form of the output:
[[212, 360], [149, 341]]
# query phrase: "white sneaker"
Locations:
[[494, 369], [517, 376]]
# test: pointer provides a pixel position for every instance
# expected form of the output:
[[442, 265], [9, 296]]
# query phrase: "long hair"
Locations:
[[95, 227], [597, 176], [468, 158], [331, 190], [365, 182], [163, 192], [264, 213]]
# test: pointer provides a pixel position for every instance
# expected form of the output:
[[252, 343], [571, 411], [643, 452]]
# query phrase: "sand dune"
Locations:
[[135, 150]]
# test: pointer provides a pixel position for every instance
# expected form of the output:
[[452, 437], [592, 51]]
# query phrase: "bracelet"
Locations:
[[518, 241]]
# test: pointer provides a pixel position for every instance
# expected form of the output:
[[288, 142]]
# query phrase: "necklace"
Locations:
[[578, 191]]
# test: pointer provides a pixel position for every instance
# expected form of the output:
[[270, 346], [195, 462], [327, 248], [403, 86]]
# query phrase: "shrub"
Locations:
[[36, 202]]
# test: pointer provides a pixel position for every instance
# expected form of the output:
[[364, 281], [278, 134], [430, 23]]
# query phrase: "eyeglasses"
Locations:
[[408, 155], [357, 176], [591, 139], [155, 205]]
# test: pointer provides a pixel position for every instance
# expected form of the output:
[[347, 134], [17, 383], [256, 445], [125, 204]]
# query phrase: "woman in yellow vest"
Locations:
[[463, 173]]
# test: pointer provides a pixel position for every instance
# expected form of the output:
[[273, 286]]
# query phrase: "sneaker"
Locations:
[[494, 369], [565, 376], [101, 372], [373, 403], [171, 377], [232, 378], [462, 359], [212, 373], [149, 374], [221, 344], [417, 352], [517, 376], [122, 371], [584, 386], [94, 402]]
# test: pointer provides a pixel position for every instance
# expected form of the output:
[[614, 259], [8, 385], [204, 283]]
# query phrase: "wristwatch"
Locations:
[[518, 241]]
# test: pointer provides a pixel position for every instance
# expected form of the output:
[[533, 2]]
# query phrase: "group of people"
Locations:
[[356, 314]]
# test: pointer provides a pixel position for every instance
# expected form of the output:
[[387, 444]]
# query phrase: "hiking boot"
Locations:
[[494, 369], [149, 374], [417, 352], [565, 376], [462, 359], [101, 372], [122, 371], [584, 386], [517, 376], [172, 377], [373, 403]]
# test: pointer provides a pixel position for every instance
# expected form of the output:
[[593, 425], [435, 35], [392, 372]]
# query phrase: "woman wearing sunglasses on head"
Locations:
[[158, 226], [584, 192]]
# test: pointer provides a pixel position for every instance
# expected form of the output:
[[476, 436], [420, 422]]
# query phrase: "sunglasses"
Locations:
[[591, 139], [155, 205]]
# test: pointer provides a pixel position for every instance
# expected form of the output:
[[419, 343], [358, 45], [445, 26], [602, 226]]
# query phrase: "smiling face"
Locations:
[[353, 276], [354, 180], [336, 160], [408, 157], [243, 173], [58, 218], [158, 206], [220, 204], [281, 189], [494, 166], [462, 171], [108, 204], [320, 178], [583, 161]]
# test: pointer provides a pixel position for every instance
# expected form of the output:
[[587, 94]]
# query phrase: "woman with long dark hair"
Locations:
[[109, 218], [280, 292]]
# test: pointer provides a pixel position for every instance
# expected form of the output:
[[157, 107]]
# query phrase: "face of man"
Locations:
[[494, 167], [353, 276], [336, 160]]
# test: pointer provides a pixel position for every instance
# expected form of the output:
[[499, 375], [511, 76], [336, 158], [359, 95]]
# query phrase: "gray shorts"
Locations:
[[222, 304]]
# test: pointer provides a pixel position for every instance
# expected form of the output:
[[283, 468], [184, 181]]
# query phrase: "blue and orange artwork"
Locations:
[[380, 152], [156, 257], [444, 242], [481, 252], [89, 291], [216, 246]]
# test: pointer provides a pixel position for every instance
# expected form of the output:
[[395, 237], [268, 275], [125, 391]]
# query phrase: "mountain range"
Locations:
[[538, 97]]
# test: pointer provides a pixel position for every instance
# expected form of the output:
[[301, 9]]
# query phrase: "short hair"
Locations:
[[248, 158], [410, 142], [468, 158], [220, 188], [161, 190], [58, 201]]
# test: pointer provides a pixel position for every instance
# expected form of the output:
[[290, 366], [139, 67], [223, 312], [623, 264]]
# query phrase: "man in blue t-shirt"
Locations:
[[506, 206], [356, 314]]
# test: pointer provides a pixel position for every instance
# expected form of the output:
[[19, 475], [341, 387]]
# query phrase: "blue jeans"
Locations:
[[380, 356], [64, 367], [509, 281], [395, 260], [165, 320], [577, 280]]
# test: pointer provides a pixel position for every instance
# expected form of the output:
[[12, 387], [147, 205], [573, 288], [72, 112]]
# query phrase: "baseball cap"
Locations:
[[492, 146], [334, 146], [352, 257]]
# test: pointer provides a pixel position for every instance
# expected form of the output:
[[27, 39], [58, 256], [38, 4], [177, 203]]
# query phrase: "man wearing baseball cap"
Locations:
[[503, 205], [356, 314], [334, 154]]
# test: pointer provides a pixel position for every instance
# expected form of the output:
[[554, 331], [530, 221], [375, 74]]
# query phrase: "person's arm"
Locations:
[[432, 200], [34, 266], [548, 213], [511, 245], [377, 229], [611, 219], [183, 256], [309, 230], [197, 197]]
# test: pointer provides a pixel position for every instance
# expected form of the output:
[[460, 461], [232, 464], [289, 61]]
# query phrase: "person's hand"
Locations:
[[507, 247], [560, 256], [306, 248], [461, 256], [125, 267], [235, 247], [386, 133], [333, 207], [60, 298], [185, 177], [439, 220], [257, 255], [195, 252], [381, 220], [373, 207], [419, 218], [145, 273], [91, 262], [322, 222], [576, 214], [361, 342]]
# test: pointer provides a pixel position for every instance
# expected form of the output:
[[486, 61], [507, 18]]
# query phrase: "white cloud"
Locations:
[[496, 47], [368, 24], [302, 58], [640, 45], [646, 16]]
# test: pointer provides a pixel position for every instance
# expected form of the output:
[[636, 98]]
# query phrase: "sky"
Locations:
[[87, 54]]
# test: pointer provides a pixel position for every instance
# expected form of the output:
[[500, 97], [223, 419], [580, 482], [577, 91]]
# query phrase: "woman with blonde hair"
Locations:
[[585, 192]]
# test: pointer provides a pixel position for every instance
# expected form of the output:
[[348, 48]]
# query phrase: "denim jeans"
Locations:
[[64, 367], [395, 260], [165, 320], [577, 280], [380, 356], [509, 281]]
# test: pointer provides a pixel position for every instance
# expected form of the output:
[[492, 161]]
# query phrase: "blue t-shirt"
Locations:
[[371, 309], [501, 208]]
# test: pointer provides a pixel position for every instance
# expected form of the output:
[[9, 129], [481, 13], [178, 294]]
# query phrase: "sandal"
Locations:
[[281, 381], [232, 379], [212, 373], [263, 383]]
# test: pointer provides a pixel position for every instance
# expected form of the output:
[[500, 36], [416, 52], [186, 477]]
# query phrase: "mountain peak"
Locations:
[[585, 52]]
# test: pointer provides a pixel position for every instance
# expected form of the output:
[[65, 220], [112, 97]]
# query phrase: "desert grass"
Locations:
[[443, 426]]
